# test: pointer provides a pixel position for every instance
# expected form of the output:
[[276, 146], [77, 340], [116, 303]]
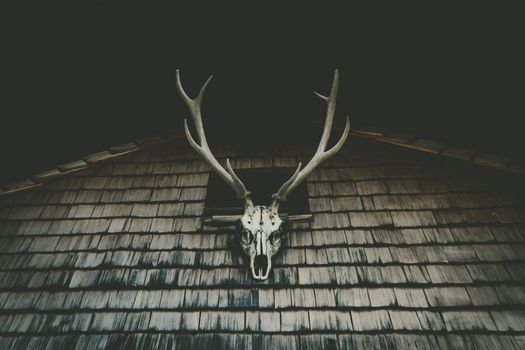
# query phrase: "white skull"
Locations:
[[260, 238]]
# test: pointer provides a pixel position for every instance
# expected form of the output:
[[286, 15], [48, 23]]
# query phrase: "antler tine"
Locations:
[[202, 147], [194, 105], [341, 141], [191, 140], [189, 101], [320, 154], [330, 111]]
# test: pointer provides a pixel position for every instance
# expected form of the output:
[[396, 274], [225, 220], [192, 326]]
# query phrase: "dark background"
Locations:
[[78, 77], [221, 200]]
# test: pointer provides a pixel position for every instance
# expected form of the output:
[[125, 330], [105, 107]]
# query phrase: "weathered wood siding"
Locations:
[[405, 250]]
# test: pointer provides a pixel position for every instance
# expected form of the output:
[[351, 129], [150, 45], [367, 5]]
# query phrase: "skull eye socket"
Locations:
[[247, 237], [273, 239]]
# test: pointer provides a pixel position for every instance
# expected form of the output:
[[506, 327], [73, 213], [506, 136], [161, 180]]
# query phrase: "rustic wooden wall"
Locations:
[[404, 250]]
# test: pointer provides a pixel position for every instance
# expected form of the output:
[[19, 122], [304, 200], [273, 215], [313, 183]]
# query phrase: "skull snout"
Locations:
[[261, 242], [261, 267], [261, 262]]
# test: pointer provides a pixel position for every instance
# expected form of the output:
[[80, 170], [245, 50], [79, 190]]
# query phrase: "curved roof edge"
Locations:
[[376, 134], [113, 152], [441, 148]]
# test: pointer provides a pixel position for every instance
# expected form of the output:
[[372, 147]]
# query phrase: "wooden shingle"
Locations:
[[362, 341], [263, 321], [459, 253], [317, 341], [468, 320], [121, 299], [413, 218], [165, 195], [193, 194], [448, 296], [403, 186], [108, 321], [321, 174], [165, 321], [387, 202], [500, 252], [488, 272], [171, 299], [277, 341], [316, 275], [416, 274], [319, 205], [472, 234], [449, 274], [371, 187], [330, 220], [144, 210], [38, 227], [25, 212], [516, 272], [319, 189], [511, 295], [370, 219], [344, 188], [324, 297], [431, 321], [170, 209], [484, 295], [381, 297], [189, 321], [330, 320], [392, 274], [345, 204], [295, 321], [404, 320], [510, 320], [323, 238], [60, 212], [346, 275], [410, 297], [337, 255], [376, 320], [357, 297], [354, 236], [283, 298], [215, 320], [161, 225]]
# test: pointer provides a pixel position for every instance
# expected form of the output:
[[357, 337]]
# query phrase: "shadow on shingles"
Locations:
[[234, 245]]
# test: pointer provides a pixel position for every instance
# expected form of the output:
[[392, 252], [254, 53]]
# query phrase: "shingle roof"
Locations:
[[442, 148], [380, 135], [405, 250], [114, 152]]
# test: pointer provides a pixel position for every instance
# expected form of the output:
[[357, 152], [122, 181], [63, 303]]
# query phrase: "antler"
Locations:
[[203, 149], [320, 155]]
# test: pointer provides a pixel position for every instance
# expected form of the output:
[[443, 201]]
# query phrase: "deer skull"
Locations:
[[260, 239], [261, 225]]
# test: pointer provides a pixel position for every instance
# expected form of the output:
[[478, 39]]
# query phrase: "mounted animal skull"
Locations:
[[261, 225]]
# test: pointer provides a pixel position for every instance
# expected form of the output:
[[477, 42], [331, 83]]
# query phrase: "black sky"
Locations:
[[81, 77]]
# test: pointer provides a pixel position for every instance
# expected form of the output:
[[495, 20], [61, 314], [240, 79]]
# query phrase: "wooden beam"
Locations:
[[225, 219]]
